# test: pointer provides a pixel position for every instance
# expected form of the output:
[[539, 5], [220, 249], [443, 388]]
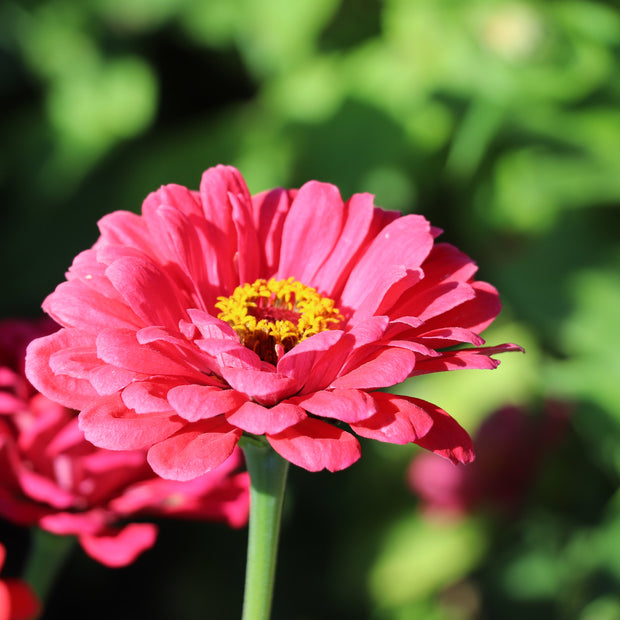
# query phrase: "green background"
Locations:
[[498, 120]]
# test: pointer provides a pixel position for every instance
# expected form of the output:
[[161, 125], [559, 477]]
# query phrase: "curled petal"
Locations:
[[399, 420], [345, 405], [446, 436], [69, 391], [479, 358], [315, 445], [266, 388], [109, 424], [195, 450], [258, 420], [200, 402]]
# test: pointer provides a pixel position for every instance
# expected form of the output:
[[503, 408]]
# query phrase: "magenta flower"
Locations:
[[52, 477], [215, 314], [510, 449], [17, 600]]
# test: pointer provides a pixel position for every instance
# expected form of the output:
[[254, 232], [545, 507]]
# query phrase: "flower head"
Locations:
[[215, 313], [52, 477]]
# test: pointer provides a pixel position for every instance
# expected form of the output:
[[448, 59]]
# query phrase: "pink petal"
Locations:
[[345, 405], [69, 523], [199, 402], [405, 241], [315, 445], [69, 391], [436, 301], [266, 388], [73, 304], [479, 358], [329, 365], [229, 354], [149, 396], [298, 362], [311, 230], [147, 290], [332, 274], [186, 251], [109, 424], [475, 314], [258, 420], [210, 326], [450, 336], [398, 420], [76, 362], [215, 188], [126, 229], [121, 348], [447, 263], [249, 259], [384, 368], [385, 291], [109, 379], [197, 449], [270, 209], [446, 437], [120, 547]]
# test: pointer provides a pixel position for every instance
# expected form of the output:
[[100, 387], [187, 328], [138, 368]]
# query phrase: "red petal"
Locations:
[[315, 445], [18, 600]]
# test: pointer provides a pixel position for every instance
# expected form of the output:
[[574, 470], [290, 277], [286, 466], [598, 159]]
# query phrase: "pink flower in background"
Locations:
[[215, 313], [17, 600], [510, 447], [52, 477]]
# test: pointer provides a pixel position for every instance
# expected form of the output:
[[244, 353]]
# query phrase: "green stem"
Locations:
[[267, 483], [46, 559]]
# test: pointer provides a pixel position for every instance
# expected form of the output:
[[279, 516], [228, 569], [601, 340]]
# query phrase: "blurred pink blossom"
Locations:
[[54, 478]]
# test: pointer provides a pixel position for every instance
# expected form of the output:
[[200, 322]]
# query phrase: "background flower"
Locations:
[[52, 477], [511, 446]]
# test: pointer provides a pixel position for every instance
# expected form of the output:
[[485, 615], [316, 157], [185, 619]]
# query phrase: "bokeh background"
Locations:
[[499, 120]]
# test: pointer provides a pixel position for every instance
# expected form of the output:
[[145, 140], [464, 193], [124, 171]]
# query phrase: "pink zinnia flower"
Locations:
[[52, 477], [17, 600], [216, 313]]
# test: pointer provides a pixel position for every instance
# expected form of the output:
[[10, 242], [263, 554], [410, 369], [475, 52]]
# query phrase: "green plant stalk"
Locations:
[[267, 472], [46, 559]]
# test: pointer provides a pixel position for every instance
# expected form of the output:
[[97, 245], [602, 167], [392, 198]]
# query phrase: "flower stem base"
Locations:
[[268, 472]]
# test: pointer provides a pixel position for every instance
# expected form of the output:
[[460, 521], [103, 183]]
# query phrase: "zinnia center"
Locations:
[[272, 316]]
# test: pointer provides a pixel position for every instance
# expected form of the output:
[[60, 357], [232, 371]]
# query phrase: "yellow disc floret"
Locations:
[[272, 316]]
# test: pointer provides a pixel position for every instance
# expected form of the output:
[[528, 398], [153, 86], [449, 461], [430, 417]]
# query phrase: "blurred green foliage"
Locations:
[[497, 119]]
